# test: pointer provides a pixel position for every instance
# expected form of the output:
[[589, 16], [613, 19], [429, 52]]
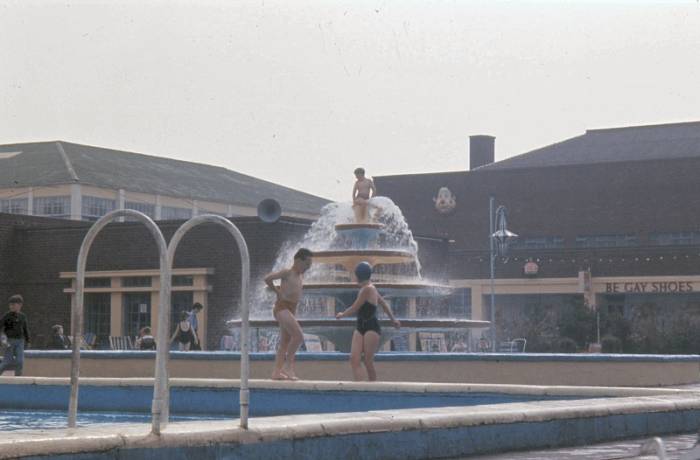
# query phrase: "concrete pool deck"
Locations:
[[612, 413], [339, 385]]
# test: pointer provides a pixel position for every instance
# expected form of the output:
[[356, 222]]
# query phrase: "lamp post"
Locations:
[[499, 237]]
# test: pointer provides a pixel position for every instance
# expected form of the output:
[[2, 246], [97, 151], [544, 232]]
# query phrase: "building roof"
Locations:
[[634, 143], [53, 163]]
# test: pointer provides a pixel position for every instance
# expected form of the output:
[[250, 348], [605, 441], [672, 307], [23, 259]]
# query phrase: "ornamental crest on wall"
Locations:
[[445, 201]]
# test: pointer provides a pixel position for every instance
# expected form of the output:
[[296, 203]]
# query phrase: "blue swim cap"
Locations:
[[363, 271]]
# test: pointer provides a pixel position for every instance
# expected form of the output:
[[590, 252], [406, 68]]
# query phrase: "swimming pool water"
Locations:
[[11, 420], [216, 402], [219, 405]]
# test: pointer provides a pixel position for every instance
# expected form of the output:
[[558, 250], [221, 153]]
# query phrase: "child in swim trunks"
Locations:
[[284, 311], [365, 338], [363, 190]]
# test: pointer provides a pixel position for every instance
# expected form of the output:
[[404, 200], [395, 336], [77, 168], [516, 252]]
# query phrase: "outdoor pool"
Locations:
[[264, 402], [11, 420], [321, 419]]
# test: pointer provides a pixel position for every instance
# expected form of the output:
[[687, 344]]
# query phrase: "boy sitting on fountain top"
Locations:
[[363, 190], [288, 296]]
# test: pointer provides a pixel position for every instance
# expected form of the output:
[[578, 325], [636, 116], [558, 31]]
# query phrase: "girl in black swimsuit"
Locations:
[[183, 333], [365, 339]]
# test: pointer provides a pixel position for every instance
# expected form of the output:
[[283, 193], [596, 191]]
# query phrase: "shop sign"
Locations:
[[655, 287]]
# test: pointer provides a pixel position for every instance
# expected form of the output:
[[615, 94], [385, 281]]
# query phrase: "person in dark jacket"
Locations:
[[58, 341], [13, 326]]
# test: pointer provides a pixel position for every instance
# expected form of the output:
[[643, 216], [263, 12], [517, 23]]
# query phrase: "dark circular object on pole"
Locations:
[[269, 210]]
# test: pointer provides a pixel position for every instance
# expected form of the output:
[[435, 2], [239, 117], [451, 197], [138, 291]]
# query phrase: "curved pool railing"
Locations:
[[160, 407], [77, 309], [161, 386]]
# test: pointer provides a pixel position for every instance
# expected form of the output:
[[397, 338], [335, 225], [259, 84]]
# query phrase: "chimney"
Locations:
[[481, 150]]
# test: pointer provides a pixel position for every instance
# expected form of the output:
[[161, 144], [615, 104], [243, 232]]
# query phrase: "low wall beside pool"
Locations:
[[520, 369]]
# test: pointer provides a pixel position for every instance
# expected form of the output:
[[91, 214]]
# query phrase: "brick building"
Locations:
[[38, 259], [611, 217]]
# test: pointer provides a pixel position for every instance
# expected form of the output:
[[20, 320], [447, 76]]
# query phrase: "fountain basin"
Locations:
[[387, 290], [406, 323], [350, 258], [350, 227], [340, 331], [358, 236]]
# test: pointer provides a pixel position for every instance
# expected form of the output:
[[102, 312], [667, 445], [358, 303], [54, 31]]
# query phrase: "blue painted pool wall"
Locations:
[[423, 444], [225, 401]]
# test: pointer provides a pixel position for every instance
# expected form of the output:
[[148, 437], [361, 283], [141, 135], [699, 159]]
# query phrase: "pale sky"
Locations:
[[302, 92]]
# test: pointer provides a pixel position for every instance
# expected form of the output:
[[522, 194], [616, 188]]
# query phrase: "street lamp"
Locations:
[[499, 237]]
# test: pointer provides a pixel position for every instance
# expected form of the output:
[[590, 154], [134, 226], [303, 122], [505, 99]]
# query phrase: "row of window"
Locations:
[[136, 309], [54, 206], [608, 241], [583, 241], [542, 242], [675, 238], [15, 206], [92, 207], [136, 281]]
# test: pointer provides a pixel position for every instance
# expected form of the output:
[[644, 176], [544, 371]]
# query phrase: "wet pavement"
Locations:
[[676, 446]]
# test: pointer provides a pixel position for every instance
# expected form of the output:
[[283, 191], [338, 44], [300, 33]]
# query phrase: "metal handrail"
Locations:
[[77, 307], [161, 383]]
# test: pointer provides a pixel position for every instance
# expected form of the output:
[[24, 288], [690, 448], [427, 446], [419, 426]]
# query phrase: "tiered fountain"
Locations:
[[340, 240]]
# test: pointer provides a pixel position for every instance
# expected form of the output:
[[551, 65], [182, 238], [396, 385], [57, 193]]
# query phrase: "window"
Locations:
[[606, 241], [97, 317], [146, 208], [541, 242], [98, 282], [201, 211], [54, 206], [136, 281], [94, 208], [171, 213], [675, 238], [15, 206], [183, 280], [137, 312], [180, 301]]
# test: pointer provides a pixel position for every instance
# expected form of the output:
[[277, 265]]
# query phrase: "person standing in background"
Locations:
[[13, 326], [194, 322]]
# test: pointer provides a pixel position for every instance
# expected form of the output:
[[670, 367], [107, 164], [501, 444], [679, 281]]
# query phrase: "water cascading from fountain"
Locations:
[[338, 244], [322, 236]]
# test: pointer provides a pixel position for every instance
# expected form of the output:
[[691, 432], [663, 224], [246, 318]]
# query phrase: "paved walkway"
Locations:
[[629, 449]]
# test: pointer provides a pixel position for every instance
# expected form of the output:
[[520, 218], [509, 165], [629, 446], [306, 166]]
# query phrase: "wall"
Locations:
[[525, 369], [614, 198], [39, 249], [12, 253]]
